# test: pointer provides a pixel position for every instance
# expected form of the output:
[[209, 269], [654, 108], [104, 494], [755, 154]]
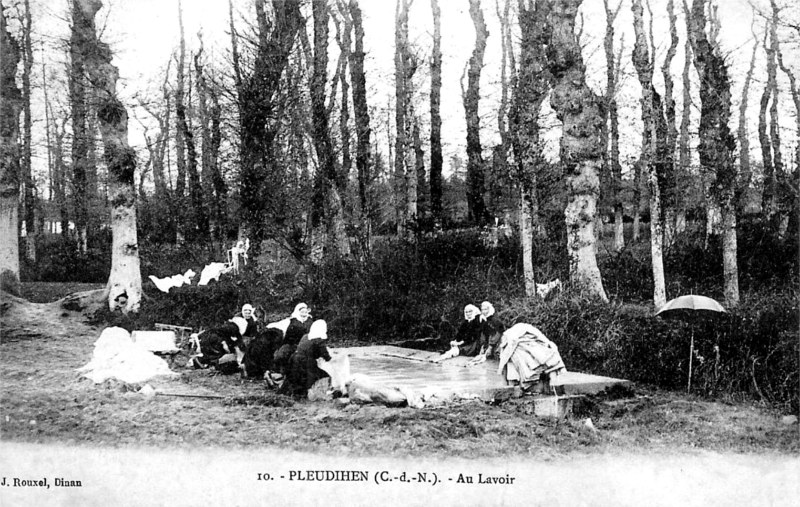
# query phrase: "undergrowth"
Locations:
[[410, 290]]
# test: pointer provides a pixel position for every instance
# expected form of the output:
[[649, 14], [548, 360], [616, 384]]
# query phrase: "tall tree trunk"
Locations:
[[769, 193], [685, 158], [638, 169], [792, 190], [47, 130], [436, 116], [199, 222], [419, 164], [531, 85], [120, 158], [257, 103], [331, 180], [655, 134], [29, 187], [81, 35], [580, 112], [744, 141], [405, 67], [218, 181], [611, 144], [716, 141], [782, 204], [206, 178], [11, 103], [360, 107], [344, 38], [670, 190], [59, 179], [475, 180], [179, 197]]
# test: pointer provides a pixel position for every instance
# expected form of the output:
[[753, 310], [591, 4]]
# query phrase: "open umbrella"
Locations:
[[691, 302]]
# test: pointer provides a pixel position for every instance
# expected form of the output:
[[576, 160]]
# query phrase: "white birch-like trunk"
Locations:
[[579, 217], [9, 246], [619, 230], [657, 242], [336, 226], [125, 276], [730, 266], [526, 237]]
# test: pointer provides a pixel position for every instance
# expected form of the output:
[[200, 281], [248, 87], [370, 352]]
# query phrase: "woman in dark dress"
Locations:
[[303, 370], [248, 314], [467, 341], [294, 328], [259, 355], [491, 332], [219, 341]]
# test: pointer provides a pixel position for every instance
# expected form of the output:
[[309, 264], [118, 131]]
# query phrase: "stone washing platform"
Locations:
[[415, 369]]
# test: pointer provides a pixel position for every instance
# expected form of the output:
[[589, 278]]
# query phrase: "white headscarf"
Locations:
[[283, 324], [490, 310], [473, 311], [319, 329], [296, 313]]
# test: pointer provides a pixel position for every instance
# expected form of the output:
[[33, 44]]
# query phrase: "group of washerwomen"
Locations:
[[524, 354], [285, 351], [478, 336], [288, 350]]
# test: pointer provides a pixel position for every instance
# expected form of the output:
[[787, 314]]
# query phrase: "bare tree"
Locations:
[[333, 181], [213, 186], [669, 191], [580, 112], [783, 193], [716, 141], [28, 187], [199, 221], [654, 157], [120, 158], [405, 174], [792, 184], [257, 103], [611, 143], [531, 85], [745, 171], [360, 107], [11, 104], [436, 116], [82, 33], [684, 153], [471, 98]]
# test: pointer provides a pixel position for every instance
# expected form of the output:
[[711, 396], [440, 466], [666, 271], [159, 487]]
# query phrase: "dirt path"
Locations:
[[152, 476]]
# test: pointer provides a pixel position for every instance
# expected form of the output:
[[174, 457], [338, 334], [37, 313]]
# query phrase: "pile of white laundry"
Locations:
[[117, 356]]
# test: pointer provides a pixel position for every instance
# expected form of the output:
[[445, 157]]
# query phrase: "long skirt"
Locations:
[[259, 355]]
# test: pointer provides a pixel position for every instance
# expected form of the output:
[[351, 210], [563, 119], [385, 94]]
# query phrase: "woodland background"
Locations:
[[388, 174]]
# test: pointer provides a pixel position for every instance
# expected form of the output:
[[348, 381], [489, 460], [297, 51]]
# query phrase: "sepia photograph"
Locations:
[[399, 252]]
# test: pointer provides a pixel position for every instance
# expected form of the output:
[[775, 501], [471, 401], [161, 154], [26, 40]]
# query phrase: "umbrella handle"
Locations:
[[691, 355]]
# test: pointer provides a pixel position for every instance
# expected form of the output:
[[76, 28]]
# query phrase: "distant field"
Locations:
[[47, 292]]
